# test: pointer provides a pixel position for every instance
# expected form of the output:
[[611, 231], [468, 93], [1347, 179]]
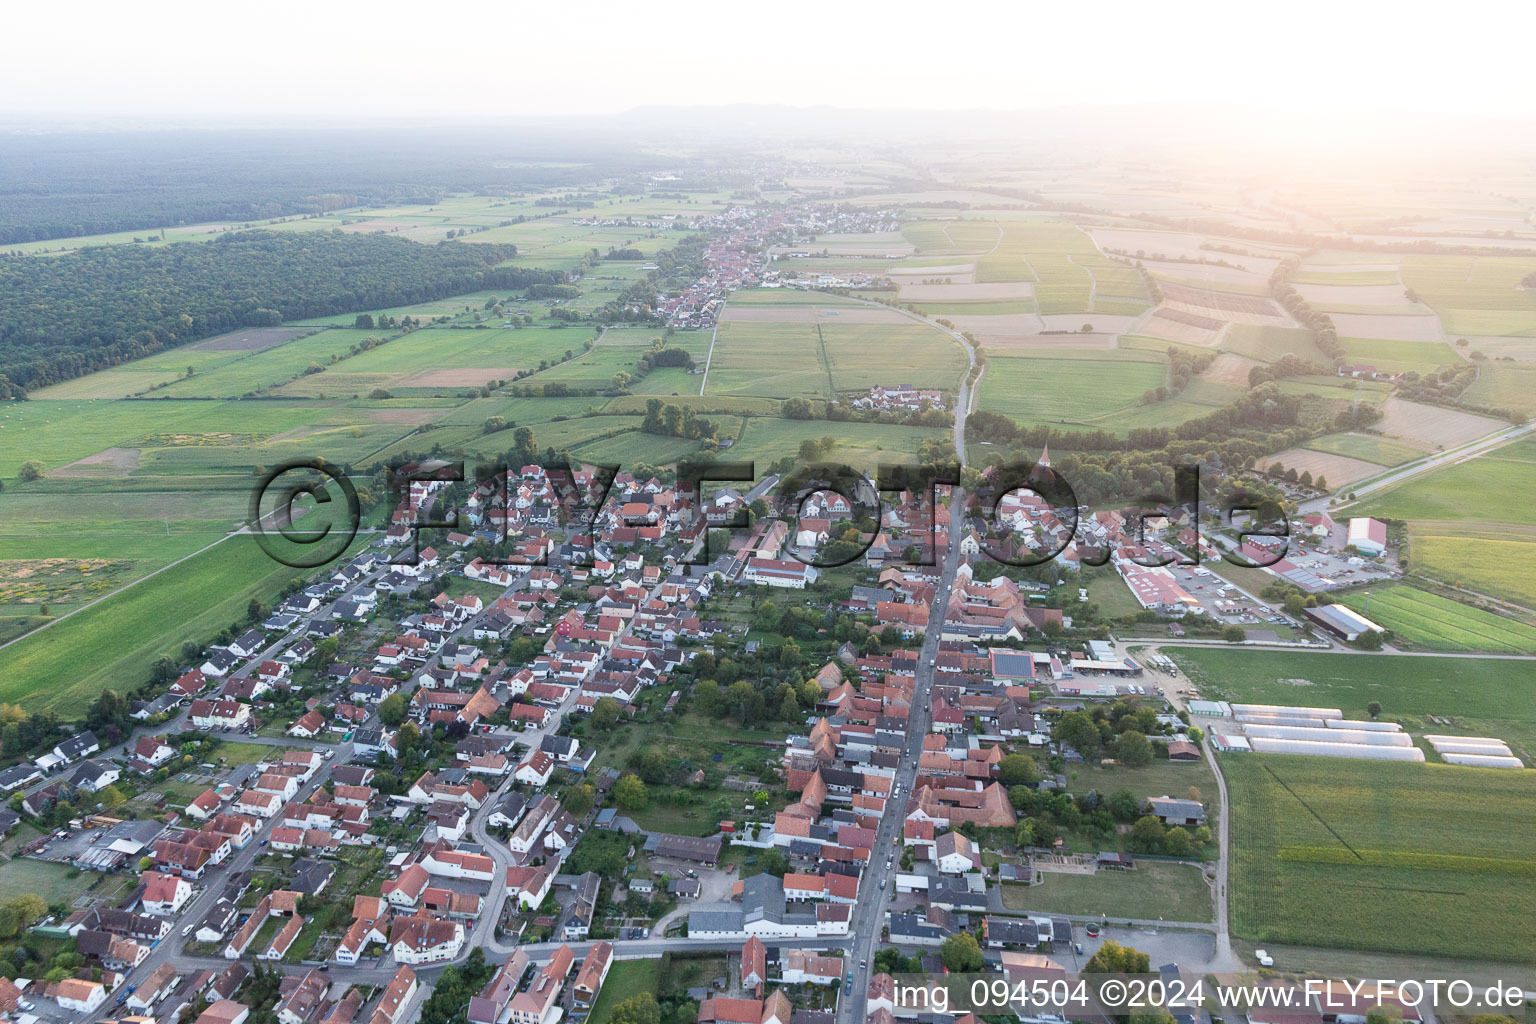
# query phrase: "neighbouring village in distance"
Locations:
[[734, 574]]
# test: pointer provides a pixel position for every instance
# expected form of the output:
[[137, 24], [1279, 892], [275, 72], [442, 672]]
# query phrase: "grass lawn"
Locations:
[[1160, 778], [1155, 890], [233, 753], [626, 978], [1335, 852], [50, 881], [1440, 624], [1485, 696]]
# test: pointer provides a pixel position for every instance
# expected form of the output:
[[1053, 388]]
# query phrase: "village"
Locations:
[[427, 772]]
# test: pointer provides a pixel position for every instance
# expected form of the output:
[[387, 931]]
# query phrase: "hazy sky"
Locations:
[[511, 59]]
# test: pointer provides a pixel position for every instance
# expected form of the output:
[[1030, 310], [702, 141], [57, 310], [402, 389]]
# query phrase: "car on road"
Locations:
[[263, 842], [187, 930]]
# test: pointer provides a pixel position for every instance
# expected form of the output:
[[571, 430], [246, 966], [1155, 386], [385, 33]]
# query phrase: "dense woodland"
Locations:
[[70, 315], [61, 185]]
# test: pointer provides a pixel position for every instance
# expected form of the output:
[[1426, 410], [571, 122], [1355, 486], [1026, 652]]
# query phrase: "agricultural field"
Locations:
[[776, 360], [1267, 344], [1153, 891], [863, 446], [1475, 294], [1047, 389], [1501, 481], [1368, 447], [1421, 357], [263, 368], [1335, 470], [861, 356], [1502, 386], [1435, 623], [116, 641], [1334, 852], [1484, 696], [1492, 562]]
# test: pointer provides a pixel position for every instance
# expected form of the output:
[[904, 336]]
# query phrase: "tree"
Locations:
[[363, 322], [1079, 732], [1370, 640], [29, 471], [630, 793], [111, 798], [637, 1009], [1385, 1014], [1196, 734], [961, 954], [1018, 770], [578, 800], [789, 708], [1176, 843], [1133, 750], [1373, 709], [1193, 793], [1113, 958], [1147, 834], [392, 710], [605, 713], [1234, 634]]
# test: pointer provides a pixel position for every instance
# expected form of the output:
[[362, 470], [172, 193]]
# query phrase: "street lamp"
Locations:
[[1367, 603]]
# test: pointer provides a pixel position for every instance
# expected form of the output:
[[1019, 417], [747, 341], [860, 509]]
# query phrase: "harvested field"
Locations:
[[1008, 326], [1341, 296], [1392, 328], [111, 462], [1185, 328], [1229, 368], [951, 270], [1182, 295], [811, 315], [964, 292], [1338, 470], [1207, 272], [460, 377], [1111, 323], [1521, 350], [254, 340], [1431, 425], [1037, 342]]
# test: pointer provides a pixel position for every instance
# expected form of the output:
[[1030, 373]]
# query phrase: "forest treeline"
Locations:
[[70, 315], [60, 185]]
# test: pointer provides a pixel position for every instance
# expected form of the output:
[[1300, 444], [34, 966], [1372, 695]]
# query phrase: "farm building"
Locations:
[[1172, 811], [1342, 622], [1285, 709], [1230, 744], [1270, 745], [1367, 536], [1361, 736], [1339, 723], [1210, 709], [1483, 760], [1479, 751]]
